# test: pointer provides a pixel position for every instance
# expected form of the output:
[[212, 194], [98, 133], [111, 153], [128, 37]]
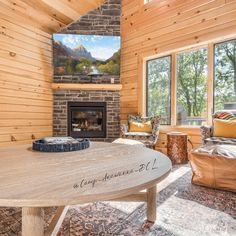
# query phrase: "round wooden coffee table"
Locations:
[[33, 180]]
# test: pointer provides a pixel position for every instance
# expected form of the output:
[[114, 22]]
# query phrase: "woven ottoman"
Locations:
[[214, 166]]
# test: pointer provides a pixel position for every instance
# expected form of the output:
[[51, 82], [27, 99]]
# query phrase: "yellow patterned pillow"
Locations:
[[135, 126], [224, 128]]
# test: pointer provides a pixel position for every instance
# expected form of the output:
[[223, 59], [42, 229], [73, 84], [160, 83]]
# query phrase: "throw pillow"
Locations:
[[224, 128], [225, 114], [140, 126]]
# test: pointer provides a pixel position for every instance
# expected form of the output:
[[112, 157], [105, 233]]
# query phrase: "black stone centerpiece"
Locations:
[[60, 144]]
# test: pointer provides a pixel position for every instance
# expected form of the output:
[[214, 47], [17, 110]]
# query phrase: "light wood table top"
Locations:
[[104, 171]]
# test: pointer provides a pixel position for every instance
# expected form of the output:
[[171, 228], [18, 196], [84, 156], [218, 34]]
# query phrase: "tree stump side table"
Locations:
[[177, 147]]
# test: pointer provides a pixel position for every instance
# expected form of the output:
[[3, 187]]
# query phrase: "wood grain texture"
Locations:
[[102, 172], [136, 197], [25, 76], [162, 28], [47, 15], [32, 221], [177, 147], [26, 28], [64, 86], [210, 83], [151, 204]]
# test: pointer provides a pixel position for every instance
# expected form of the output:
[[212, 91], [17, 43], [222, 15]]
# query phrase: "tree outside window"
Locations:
[[191, 79], [158, 88], [192, 87], [225, 76]]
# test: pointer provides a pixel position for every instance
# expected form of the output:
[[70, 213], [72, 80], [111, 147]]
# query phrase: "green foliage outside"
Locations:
[[158, 90], [192, 83], [225, 75]]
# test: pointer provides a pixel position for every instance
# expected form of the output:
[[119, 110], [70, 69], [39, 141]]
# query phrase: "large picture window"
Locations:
[[192, 87], [158, 88], [187, 87], [225, 75]]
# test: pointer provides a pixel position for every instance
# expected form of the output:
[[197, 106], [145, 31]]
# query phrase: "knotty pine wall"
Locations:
[[25, 79], [163, 26]]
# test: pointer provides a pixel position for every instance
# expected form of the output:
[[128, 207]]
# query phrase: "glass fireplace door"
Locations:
[[87, 120]]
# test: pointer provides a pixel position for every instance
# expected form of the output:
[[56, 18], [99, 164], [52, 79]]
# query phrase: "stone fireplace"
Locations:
[[63, 99], [102, 21], [86, 119]]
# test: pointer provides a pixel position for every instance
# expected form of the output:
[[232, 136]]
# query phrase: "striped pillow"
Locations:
[[225, 114]]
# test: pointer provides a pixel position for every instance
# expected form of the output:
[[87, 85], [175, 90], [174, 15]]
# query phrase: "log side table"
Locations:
[[177, 147]]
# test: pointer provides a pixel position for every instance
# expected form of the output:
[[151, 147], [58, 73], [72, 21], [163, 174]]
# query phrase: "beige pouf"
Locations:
[[128, 141], [214, 166]]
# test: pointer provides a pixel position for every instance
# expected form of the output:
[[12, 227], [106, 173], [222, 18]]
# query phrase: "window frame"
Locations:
[[210, 79], [146, 84]]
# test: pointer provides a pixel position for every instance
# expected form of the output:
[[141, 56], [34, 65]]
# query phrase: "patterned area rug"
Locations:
[[183, 210]]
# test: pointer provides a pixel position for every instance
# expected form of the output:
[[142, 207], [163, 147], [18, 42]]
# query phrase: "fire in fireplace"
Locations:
[[87, 119]]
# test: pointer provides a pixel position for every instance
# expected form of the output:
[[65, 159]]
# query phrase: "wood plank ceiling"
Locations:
[[48, 15]]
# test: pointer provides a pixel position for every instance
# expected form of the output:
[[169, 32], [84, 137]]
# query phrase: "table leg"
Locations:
[[32, 221], [57, 220], [151, 203]]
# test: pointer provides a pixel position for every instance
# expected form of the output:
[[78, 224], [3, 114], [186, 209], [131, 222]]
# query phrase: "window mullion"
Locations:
[[173, 90], [210, 91]]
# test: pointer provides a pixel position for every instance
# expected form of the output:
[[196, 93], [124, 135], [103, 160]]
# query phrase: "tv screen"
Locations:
[[86, 54]]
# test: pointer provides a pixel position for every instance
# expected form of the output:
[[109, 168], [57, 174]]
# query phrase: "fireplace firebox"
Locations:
[[87, 119]]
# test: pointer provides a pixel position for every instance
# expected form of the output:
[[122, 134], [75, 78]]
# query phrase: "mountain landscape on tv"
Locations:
[[80, 61]]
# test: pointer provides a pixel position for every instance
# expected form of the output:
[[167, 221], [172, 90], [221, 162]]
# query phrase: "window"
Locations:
[[225, 75], [191, 94], [192, 87], [158, 88]]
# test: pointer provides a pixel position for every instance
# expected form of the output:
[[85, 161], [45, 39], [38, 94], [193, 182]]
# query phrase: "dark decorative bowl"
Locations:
[[42, 146]]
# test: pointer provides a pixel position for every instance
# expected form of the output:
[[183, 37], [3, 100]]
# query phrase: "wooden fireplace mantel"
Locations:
[[73, 86]]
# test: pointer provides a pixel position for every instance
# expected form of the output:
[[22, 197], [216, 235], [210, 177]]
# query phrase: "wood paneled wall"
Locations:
[[25, 79], [163, 26]]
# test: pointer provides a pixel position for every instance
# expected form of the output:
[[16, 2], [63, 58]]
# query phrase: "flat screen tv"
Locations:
[[75, 54]]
